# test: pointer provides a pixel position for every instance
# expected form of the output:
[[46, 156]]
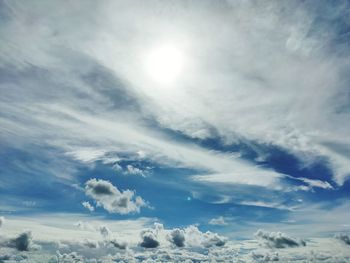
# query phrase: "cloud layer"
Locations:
[[320, 250]]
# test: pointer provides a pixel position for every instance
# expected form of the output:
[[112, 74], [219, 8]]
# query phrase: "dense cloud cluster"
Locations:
[[2, 221], [218, 254], [190, 236], [110, 198], [344, 238], [278, 239], [160, 246]]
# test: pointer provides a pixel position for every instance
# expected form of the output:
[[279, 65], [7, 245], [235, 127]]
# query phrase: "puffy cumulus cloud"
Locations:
[[278, 239], [188, 237], [319, 250], [344, 238], [219, 221], [88, 206], [110, 198], [149, 239], [106, 234], [95, 187], [2, 221], [177, 237], [196, 238], [213, 239]]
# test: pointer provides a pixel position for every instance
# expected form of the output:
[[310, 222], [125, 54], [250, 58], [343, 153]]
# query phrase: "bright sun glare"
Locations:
[[164, 64]]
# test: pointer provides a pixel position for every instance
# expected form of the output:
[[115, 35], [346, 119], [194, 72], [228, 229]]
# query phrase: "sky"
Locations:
[[174, 130]]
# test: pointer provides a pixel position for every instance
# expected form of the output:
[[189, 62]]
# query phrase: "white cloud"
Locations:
[[317, 183], [177, 237], [266, 204], [110, 198], [320, 250], [188, 237], [278, 239], [311, 183], [219, 221], [244, 175], [149, 239], [87, 155], [134, 170], [55, 233], [196, 238], [88, 206]]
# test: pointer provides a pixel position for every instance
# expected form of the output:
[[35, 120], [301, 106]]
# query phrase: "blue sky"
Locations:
[[231, 116]]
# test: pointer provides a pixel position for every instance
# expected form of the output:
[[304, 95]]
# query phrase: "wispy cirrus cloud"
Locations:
[[228, 118]]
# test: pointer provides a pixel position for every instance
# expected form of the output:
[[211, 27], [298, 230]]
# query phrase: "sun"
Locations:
[[165, 63]]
